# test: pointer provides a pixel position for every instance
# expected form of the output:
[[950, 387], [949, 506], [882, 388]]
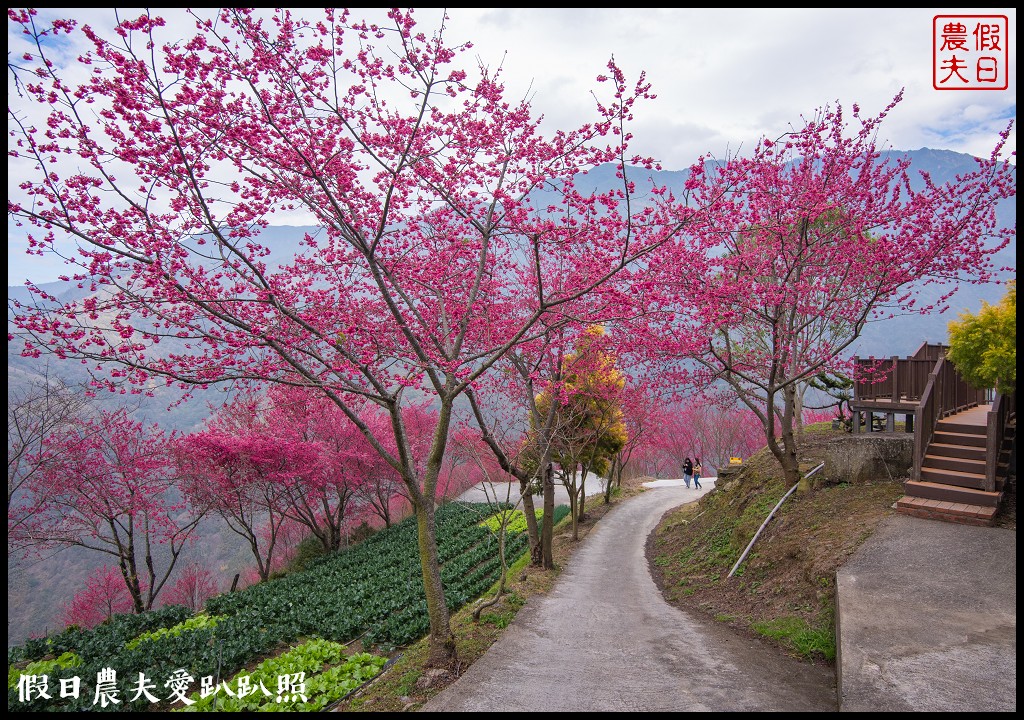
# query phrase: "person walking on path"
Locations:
[[687, 472], [697, 469]]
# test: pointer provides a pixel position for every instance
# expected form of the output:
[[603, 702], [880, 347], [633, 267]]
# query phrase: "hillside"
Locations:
[[366, 599], [784, 592]]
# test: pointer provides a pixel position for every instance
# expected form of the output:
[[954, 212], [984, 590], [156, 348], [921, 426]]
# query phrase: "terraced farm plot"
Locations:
[[372, 591]]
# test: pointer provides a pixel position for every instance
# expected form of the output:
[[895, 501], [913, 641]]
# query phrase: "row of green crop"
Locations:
[[515, 520], [305, 679], [372, 590]]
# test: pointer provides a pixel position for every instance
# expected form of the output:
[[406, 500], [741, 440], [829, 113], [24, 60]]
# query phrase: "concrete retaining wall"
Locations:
[[868, 458]]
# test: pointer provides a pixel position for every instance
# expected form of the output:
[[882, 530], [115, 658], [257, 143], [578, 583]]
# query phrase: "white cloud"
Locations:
[[740, 73]]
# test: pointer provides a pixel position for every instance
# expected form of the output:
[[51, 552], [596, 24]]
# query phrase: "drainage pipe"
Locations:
[[772, 513]]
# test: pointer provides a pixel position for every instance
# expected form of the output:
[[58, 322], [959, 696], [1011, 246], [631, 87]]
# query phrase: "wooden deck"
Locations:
[[952, 482], [963, 436], [977, 416]]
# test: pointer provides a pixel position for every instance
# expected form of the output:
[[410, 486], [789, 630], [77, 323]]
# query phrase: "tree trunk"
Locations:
[[573, 505], [531, 524], [794, 402], [616, 469], [442, 651], [798, 412], [547, 536], [442, 642], [131, 580], [786, 454], [582, 503]]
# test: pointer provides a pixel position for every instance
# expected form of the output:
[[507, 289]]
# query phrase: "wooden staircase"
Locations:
[[952, 483]]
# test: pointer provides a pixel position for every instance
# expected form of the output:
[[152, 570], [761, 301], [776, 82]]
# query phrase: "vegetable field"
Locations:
[[372, 591]]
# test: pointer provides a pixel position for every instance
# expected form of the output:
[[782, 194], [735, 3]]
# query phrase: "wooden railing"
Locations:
[[926, 409], [1002, 407], [945, 394], [930, 351], [928, 388], [896, 379], [899, 379]]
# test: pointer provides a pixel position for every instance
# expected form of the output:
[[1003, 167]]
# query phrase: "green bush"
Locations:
[[308, 550]]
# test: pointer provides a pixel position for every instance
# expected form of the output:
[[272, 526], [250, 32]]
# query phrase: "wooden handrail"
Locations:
[[904, 379], [925, 420], [1002, 407], [993, 441]]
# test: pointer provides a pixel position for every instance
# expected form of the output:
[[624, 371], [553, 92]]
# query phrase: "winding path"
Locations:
[[604, 640]]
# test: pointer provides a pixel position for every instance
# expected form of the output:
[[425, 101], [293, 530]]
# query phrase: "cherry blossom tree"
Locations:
[[470, 463], [705, 427], [108, 484], [814, 235], [193, 586], [237, 469], [334, 455], [644, 413], [381, 493], [449, 224], [346, 467], [103, 596]]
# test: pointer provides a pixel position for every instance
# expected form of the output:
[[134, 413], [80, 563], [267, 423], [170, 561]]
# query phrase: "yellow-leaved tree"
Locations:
[[983, 347], [590, 427]]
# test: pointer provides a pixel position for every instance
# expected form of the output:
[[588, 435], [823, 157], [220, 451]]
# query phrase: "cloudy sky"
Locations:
[[724, 78]]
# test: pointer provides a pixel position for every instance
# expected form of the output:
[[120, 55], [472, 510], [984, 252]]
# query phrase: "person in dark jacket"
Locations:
[[687, 471]]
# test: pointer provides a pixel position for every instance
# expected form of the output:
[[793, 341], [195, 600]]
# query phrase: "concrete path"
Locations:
[[605, 640], [927, 619]]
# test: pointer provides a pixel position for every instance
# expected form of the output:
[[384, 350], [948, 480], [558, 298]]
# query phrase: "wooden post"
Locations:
[[895, 378], [919, 445], [991, 450]]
